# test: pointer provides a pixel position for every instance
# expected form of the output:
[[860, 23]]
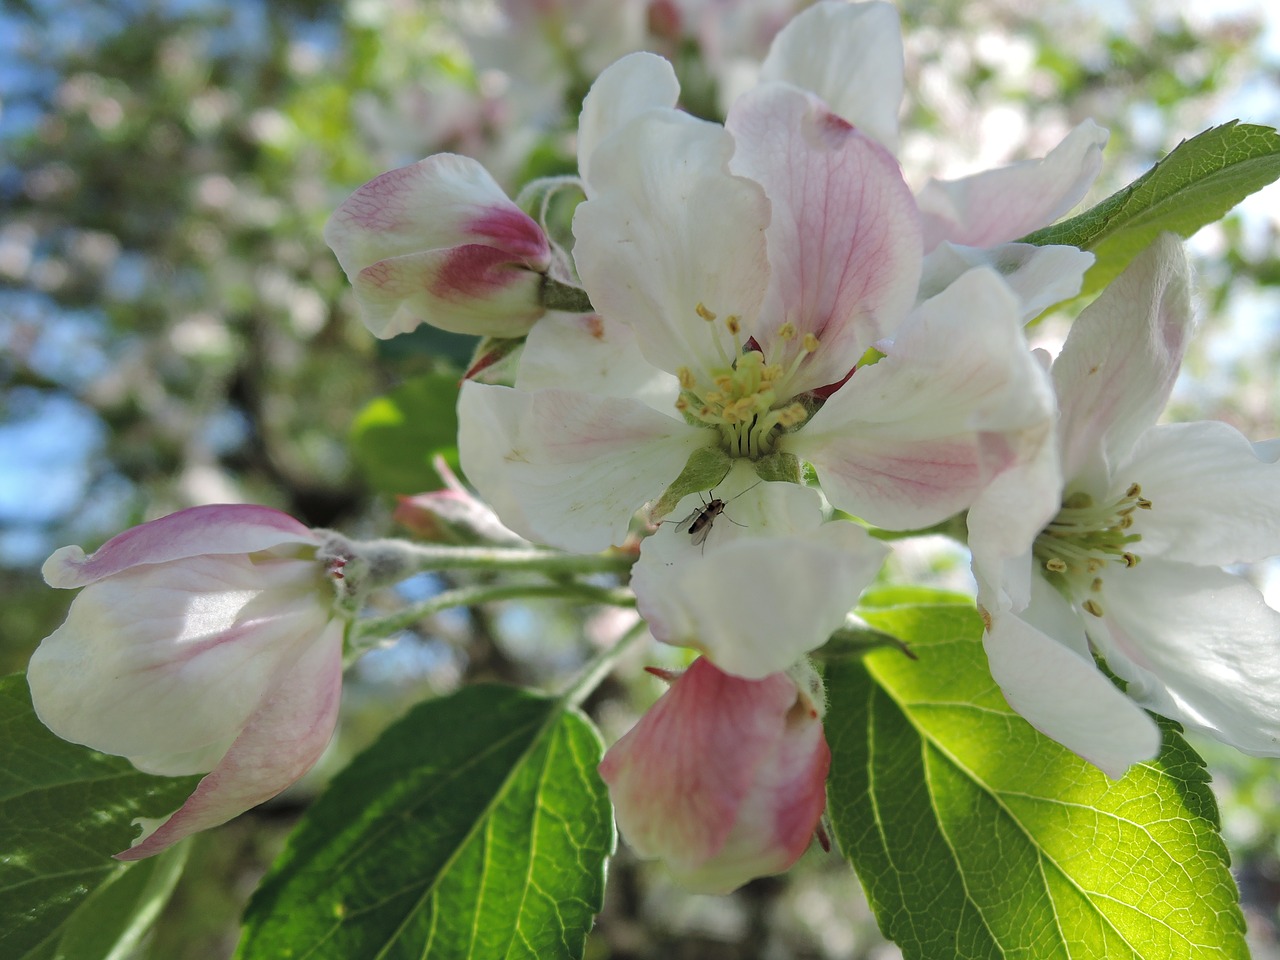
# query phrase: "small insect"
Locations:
[[698, 524]]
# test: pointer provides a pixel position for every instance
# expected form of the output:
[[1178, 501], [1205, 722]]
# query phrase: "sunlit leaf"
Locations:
[[977, 837], [475, 827], [1193, 186], [64, 810]]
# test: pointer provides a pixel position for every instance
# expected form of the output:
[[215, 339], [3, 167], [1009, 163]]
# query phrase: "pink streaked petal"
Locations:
[[844, 239], [283, 740], [603, 355], [469, 289], [196, 641], [735, 596], [634, 84], [723, 778], [1039, 276], [850, 55], [1215, 496], [1000, 205], [1042, 663], [1196, 644], [669, 229], [217, 528], [442, 201], [585, 464], [914, 438], [1118, 366]]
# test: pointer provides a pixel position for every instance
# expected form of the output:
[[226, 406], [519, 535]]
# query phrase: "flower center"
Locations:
[[1084, 538], [739, 396]]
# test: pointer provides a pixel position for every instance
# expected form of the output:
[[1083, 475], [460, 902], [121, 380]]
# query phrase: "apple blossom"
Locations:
[[723, 779], [439, 242], [1129, 562], [207, 641], [753, 266]]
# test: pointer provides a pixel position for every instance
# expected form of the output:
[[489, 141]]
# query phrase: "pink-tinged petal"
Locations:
[[470, 289], [488, 429], [589, 463], [283, 740], [1215, 497], [1196, 644], [1039, 276], [217, 528], [603, 355], [844, 239], [769, 583], [1120, 360], [669, 229], [160, 662], [850, 55], [1000, 205], [1044, 669], [442, 201], [634, 84], [916, 437], [723, 778]]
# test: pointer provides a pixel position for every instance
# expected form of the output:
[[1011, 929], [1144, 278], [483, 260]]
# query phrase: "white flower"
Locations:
[[1129, 561], [753, 265], [205, 641]]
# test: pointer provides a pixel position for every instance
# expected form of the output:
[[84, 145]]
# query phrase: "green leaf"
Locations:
[[975, 836], [65, 810], [475, 827], [1195, 185], [395, 436], [111, 922]]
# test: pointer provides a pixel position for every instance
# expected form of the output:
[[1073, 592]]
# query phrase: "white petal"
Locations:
[[634, 84], [584, 464], [216, 528], [594, 355], [488, 428], [168, 659], [1198, 645], [844, 237], [851, 56], [1215, 496], [912, 439], [668, 230], [1042, 663], [1120, 360], [283, 740], [1000, 205], [755, 598], [1040, 276]]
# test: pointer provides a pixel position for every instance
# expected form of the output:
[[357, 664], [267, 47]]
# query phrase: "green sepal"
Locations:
[[779, 468], [705, 467]]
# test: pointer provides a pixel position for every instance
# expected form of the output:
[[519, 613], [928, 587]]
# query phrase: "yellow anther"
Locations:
[[810, 343], [682, 404], [686, 378], [1096, 586], [703, 312], [733, 323], [792, 415], [1055, 565], [1130, 559], [1135, 490], [787, 331], [1093, 607], [1144, 504]]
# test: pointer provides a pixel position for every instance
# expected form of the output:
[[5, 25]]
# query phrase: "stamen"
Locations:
[[1091, 607], [702, 311]]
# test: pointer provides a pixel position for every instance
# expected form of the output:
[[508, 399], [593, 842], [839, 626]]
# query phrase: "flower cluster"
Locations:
[[783, 335]]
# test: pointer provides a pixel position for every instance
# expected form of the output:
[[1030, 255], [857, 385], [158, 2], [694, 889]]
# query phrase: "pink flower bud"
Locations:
[[205, 641], [439, 242], [452, 515], [723, 779]]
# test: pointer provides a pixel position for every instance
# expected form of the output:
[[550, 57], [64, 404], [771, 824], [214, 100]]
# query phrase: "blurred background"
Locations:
[[173, 330]]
